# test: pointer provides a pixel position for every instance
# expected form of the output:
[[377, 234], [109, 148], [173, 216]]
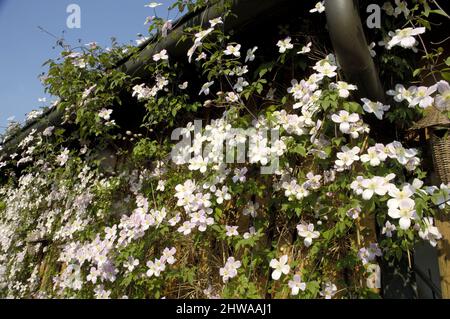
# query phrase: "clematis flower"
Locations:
[[230, 269], [105, 114], [231, 231], [344, 119], [296, 285], [307, 232], [405, 37], [250, 54], [405, 212], [369, 254], [233, 50], [62, 158], [375, 185], [216, 21], [168, 255], [376, 108], [401, 94], [374, 156], [280, 267], [240, 84], [346, 157], [399, 195], [328, 290], [401, 7], [153, 5], [162, 55], [305, 49], [131, 263], [388, 229], [319, 7], [205, 88], [442, 100], [422, 96], [430, 232], [284, 45], [343, 88], [325, 68]]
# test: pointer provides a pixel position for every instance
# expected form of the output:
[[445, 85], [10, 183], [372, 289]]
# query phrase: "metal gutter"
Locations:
[[351, 47], [246, 11]]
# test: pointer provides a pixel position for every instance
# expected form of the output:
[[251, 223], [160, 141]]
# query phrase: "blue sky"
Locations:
[[24, 47]]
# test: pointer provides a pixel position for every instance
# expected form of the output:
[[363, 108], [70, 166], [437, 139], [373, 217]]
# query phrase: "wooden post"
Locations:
[[443, 224]]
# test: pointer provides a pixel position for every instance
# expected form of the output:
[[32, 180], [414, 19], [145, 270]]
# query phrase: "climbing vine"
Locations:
[[281, 190]]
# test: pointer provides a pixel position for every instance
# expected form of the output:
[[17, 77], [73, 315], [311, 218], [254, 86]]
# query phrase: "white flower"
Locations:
[[251, 232], [131, 263], [231, 231], [239, 175], [373, 53], [375, 155], [205, 88], [405, 37], [325, 68], [343, 88], [216, 21], [344, 119], [201, 56], [284, 45], [401, 93], [422, 96], [168, 254], [250, 209], [442, 100], [161, 186], [186, 228], [353, 213], [153, 5], [405, 212], [401, 7], [347, 157], [319, 7], [305, 49], [369, 254], [430, 232], [155, 268], [376, 108], [375, 185], [281, 267], [174, 220], [230, 269], [105, 114], [62, 158], [183, 86], [388, 229], [161, 56], [198, 163], [250, 54], [48, 131], [296, 285], [441, 196], [231, 97], [233, 50], [398, 195], [240, 84], [222, 194], [329, 290], [307, 232]]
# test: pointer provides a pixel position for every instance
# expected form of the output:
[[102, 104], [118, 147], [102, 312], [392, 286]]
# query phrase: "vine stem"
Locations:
[[440, 8]]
